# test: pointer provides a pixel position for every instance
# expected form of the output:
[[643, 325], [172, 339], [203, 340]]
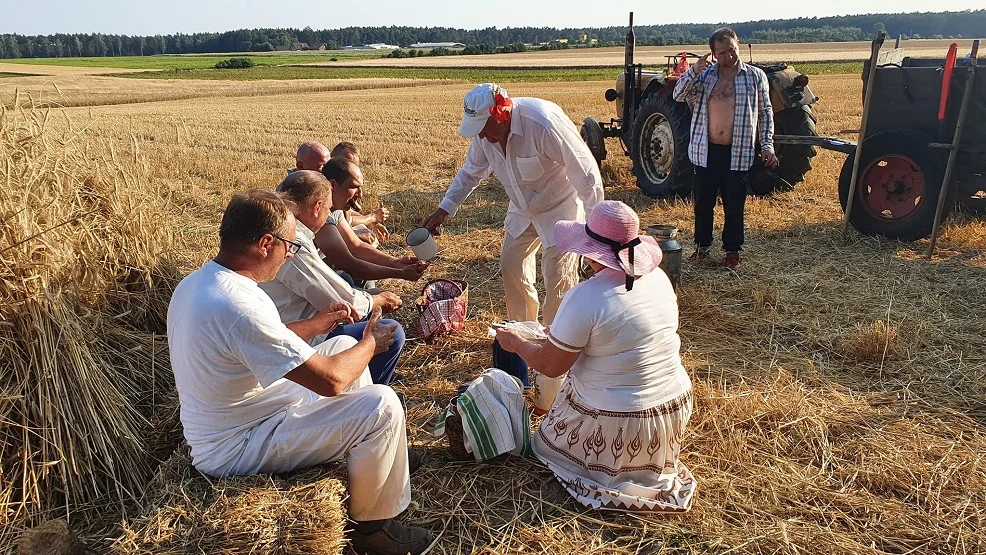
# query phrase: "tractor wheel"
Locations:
[[592, 134], [795, 159], [659, 147], [897, 187]]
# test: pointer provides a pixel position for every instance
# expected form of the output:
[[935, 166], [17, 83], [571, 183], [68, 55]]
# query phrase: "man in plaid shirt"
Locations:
[[731, 113]]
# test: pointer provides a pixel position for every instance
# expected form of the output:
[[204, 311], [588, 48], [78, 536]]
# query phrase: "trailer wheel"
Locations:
[[592, 134], [898, 186], [659, 147], [975, 205]]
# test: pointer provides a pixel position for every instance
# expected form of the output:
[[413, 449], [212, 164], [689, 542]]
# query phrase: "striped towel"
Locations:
[[494, 416]]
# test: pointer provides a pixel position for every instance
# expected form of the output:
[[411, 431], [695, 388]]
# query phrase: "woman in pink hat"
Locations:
[[613, 435]]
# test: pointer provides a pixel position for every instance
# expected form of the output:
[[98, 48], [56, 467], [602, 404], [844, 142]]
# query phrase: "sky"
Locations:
[[136, 17]]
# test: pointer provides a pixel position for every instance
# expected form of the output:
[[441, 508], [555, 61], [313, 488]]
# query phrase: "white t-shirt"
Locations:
[[229, 352], [628, 339]]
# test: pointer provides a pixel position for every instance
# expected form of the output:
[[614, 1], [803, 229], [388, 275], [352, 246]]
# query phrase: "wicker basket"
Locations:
[[456, 436], [442, 308]]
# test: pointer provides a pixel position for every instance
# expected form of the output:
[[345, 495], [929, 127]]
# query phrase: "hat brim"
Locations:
[[570, 236], [471, 126]]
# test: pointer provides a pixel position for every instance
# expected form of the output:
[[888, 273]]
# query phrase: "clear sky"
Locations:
[[149, 17]]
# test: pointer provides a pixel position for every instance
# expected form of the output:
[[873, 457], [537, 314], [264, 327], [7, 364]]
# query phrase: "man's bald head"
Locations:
[[312, 156]]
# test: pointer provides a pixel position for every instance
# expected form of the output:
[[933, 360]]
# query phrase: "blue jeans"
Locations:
[[382, 365]]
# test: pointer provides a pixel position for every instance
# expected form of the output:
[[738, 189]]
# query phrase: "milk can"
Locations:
[[666, 236]]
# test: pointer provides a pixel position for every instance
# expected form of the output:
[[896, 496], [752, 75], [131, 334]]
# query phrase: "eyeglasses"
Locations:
[[293, 247]]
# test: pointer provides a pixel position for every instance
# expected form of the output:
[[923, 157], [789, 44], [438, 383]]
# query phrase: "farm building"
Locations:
[[438, 45], [373, 46]]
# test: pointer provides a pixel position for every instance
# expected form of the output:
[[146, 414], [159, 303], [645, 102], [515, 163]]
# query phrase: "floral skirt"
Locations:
[[622, 461]]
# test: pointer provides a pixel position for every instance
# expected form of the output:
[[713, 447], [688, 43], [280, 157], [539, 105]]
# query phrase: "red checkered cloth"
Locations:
[[442, 308]]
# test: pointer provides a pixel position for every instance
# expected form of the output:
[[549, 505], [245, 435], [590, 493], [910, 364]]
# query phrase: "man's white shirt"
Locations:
[[548, 172]]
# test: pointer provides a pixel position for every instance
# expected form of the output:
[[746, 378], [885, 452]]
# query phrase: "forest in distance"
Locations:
[[968, 24]]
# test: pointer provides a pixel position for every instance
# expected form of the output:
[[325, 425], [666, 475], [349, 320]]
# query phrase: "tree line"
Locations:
[[969, 23]]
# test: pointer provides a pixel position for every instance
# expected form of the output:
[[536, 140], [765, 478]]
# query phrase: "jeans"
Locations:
[[383, 365], [717, 180]]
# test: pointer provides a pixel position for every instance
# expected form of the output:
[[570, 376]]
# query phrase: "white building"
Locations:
[[438, 45], [374, 46]]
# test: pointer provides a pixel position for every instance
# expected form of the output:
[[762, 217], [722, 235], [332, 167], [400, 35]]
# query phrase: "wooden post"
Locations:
[[953, 152], [870, 80]]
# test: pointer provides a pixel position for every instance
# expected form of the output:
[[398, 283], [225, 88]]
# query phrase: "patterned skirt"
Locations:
[[622, 461]]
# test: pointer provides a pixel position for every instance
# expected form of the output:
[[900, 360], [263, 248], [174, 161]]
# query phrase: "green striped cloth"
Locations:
[[495, 419]]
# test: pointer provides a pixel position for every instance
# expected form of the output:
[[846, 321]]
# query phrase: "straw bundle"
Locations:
[[186, 513], [85, 276]]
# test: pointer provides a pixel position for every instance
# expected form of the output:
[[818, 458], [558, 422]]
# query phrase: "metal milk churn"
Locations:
[[667, 237]]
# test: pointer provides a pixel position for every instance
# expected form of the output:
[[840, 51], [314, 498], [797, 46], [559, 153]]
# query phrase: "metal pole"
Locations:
[[953, 152], [870, 79]]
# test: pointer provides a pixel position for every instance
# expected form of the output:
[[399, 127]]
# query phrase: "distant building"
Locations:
[[298, 46], [438, 45], [561, 41], [317, 46], [373, 46]]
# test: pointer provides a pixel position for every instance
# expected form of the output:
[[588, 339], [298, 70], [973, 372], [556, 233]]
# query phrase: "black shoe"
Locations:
[[393, 538], [415, 458]]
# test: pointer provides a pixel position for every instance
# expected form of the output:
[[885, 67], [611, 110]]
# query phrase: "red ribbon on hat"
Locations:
[[499, 109]]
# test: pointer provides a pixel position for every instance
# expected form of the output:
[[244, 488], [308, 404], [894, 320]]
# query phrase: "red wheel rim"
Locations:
[[892, 187]]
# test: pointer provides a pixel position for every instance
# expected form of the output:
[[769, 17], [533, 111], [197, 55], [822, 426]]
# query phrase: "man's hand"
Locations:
[[387, 301], [435, 220], [413, 272], [382, 335], [769, 158], [337, 313], [510, 340], [381, 214], [702, 63], [380, 230]]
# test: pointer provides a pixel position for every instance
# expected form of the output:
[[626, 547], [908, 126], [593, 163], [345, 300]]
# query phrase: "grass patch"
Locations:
[[5, 74], [473, 74], [201, 61]]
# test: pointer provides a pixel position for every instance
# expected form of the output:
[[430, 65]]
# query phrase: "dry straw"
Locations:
[[86, 267], [187, 512], [818, 429]]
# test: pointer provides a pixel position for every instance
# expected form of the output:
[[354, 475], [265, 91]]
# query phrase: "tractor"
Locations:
[[654, 129]]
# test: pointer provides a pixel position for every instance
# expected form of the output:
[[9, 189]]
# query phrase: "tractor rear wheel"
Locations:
[[592, 134], [897, 186], [795, 159], [659, 147]]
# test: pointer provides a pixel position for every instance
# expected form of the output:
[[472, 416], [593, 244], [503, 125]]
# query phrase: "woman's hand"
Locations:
[[510, 340]]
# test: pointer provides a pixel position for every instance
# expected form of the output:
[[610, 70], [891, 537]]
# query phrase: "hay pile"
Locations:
[[185, 512], [86, 271]]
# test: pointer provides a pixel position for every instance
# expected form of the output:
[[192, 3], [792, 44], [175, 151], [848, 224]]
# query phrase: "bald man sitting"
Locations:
[[312, 156]]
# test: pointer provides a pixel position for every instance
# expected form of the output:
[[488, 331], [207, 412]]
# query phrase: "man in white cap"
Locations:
[[549, 175]]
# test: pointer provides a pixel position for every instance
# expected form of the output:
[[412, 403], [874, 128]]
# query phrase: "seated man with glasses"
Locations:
[[305, 285], [256, 397]]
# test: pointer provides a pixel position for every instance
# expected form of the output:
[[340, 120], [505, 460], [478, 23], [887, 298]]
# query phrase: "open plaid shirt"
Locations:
[[753, 118]]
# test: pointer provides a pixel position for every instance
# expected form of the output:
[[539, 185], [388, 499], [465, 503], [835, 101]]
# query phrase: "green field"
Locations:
[[472, 74], [200, 61]]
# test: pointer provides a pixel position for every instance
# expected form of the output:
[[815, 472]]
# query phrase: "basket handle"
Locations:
[[424, 290]]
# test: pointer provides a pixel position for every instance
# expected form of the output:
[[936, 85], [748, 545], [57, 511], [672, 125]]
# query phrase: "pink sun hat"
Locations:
[[611, 236]]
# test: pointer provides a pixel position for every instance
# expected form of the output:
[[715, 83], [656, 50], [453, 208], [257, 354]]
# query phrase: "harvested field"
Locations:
[[655, 55], [840, 383], [88, 90], [57, 70]]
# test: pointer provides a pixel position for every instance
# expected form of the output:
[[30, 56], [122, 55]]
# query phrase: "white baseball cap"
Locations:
[[476, 108]]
